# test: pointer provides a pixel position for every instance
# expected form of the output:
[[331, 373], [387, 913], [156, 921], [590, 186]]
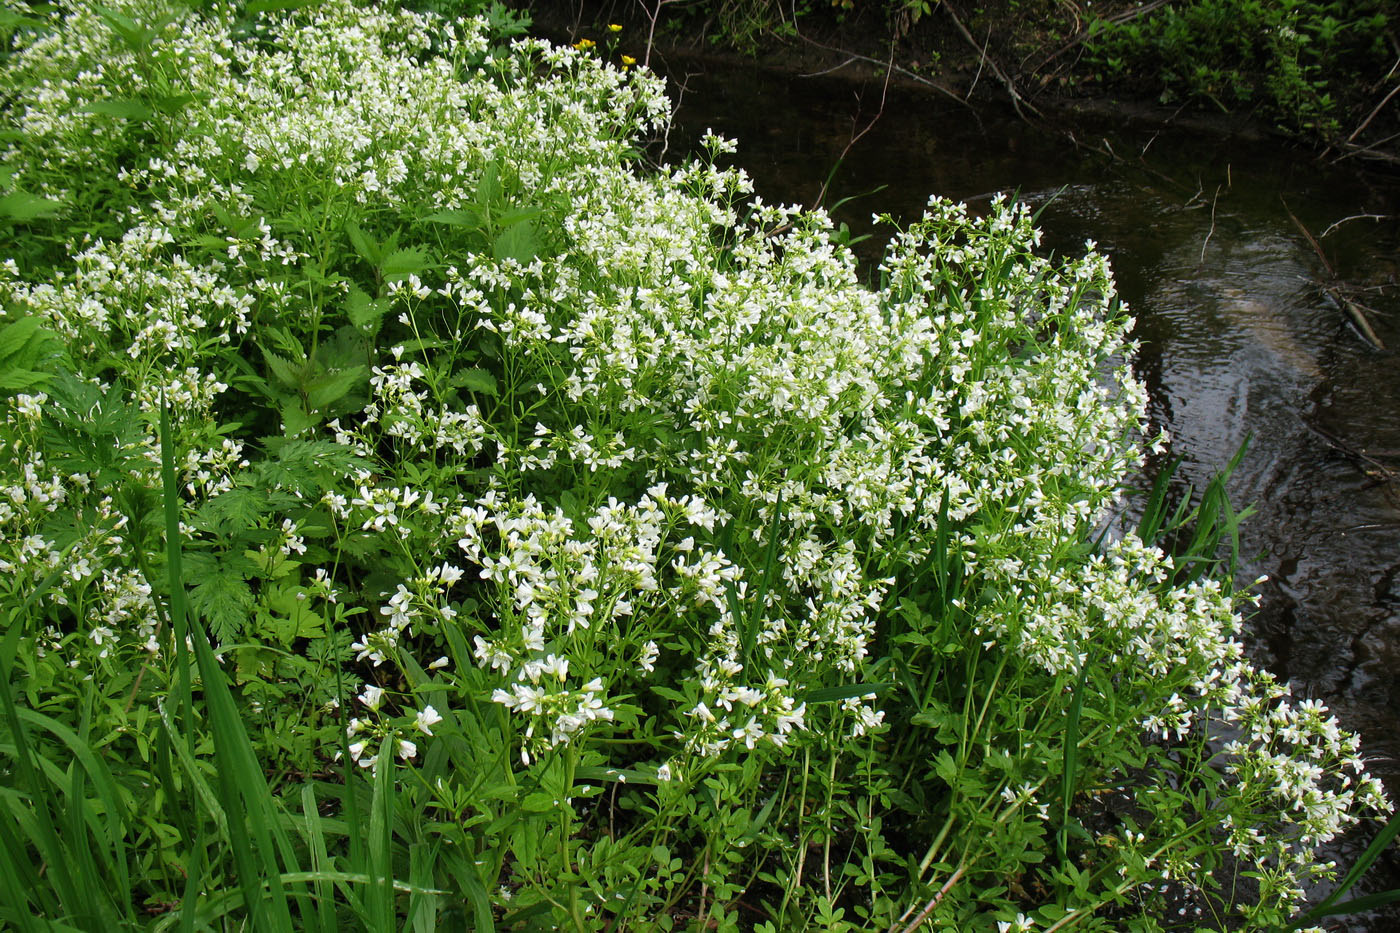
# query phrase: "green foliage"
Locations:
[[413, 514], [1296, 62]]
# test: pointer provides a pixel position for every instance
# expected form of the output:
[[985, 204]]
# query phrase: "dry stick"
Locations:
[[884, 93], [982, 60], [652, 14], [933, 902], [855, 138], [1016, 99], [1354, 453], [1352, 309], [1324, 233], [1211, 231], [857, 57], [1372, 115]]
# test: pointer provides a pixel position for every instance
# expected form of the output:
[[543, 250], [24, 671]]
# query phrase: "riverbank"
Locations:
[[1047, 62]]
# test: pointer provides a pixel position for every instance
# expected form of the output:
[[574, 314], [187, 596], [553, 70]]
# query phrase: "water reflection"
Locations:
[[1239, 337]]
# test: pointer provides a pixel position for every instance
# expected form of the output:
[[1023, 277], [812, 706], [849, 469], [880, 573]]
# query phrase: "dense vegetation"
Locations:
[[1322, 71], [416, 510]]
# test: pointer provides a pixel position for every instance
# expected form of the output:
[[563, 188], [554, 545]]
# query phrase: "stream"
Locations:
[[1241, 335]]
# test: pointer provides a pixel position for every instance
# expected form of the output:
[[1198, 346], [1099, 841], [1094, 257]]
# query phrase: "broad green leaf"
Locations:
[[333, 386], [286, 372], [123, 109], [518, 242], [462, 218], [476, 380], [363, 311], [22, 207], [403, 263], [364, 244]]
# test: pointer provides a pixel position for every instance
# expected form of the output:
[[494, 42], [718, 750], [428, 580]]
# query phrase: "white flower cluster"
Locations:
[[802, 440]]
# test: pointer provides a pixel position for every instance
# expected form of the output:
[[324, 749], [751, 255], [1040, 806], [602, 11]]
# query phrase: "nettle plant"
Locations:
[[582, 543]]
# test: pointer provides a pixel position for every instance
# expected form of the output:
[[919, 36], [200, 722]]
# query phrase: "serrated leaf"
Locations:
[[225, 602], [363, 243], [516, 215], [334, 386], [286, 372], [488, 190], [518, 242], [15, 335], [232, 511], [402, 263], [23, 380], [364, 312], [475, 380]]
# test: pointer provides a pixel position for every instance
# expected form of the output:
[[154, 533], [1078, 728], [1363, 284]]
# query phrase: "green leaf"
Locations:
[[475, 380], [363, 243], [257, 7], [463, 218], [518, 242], [122, 109], [225, 602], [333, 386], [844, 692], [284, 370], [365, 312], [538, 803], [16, 335], [21, 207], [403, 263]]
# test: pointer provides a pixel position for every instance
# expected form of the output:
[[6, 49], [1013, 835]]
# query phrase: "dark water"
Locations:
[[1241, 336]]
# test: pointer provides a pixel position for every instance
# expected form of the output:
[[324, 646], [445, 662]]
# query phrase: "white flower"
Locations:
[[426, 718], [372, 696]]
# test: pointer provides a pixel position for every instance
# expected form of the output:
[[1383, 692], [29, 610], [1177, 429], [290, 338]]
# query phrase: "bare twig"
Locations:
[[1211, 232], [1307, 234], [1353, 309], [933, 902], [884, 93], [1016, 99], [826, 71], [1371, 151], [1354, 453], [982, 60], [1082, 35], [1324, 233], [903, 72], [1372, 115], [652, 15]]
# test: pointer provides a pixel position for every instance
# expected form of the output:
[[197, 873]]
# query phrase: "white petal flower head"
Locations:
[[372, 696], [427, 718]]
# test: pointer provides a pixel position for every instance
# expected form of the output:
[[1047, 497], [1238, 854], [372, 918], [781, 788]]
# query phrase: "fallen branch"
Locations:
[[1353, 309], [1355, 454]]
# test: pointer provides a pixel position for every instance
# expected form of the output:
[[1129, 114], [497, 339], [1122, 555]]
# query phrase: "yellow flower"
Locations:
[[584, 44], [614, 27], [628, 61]]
